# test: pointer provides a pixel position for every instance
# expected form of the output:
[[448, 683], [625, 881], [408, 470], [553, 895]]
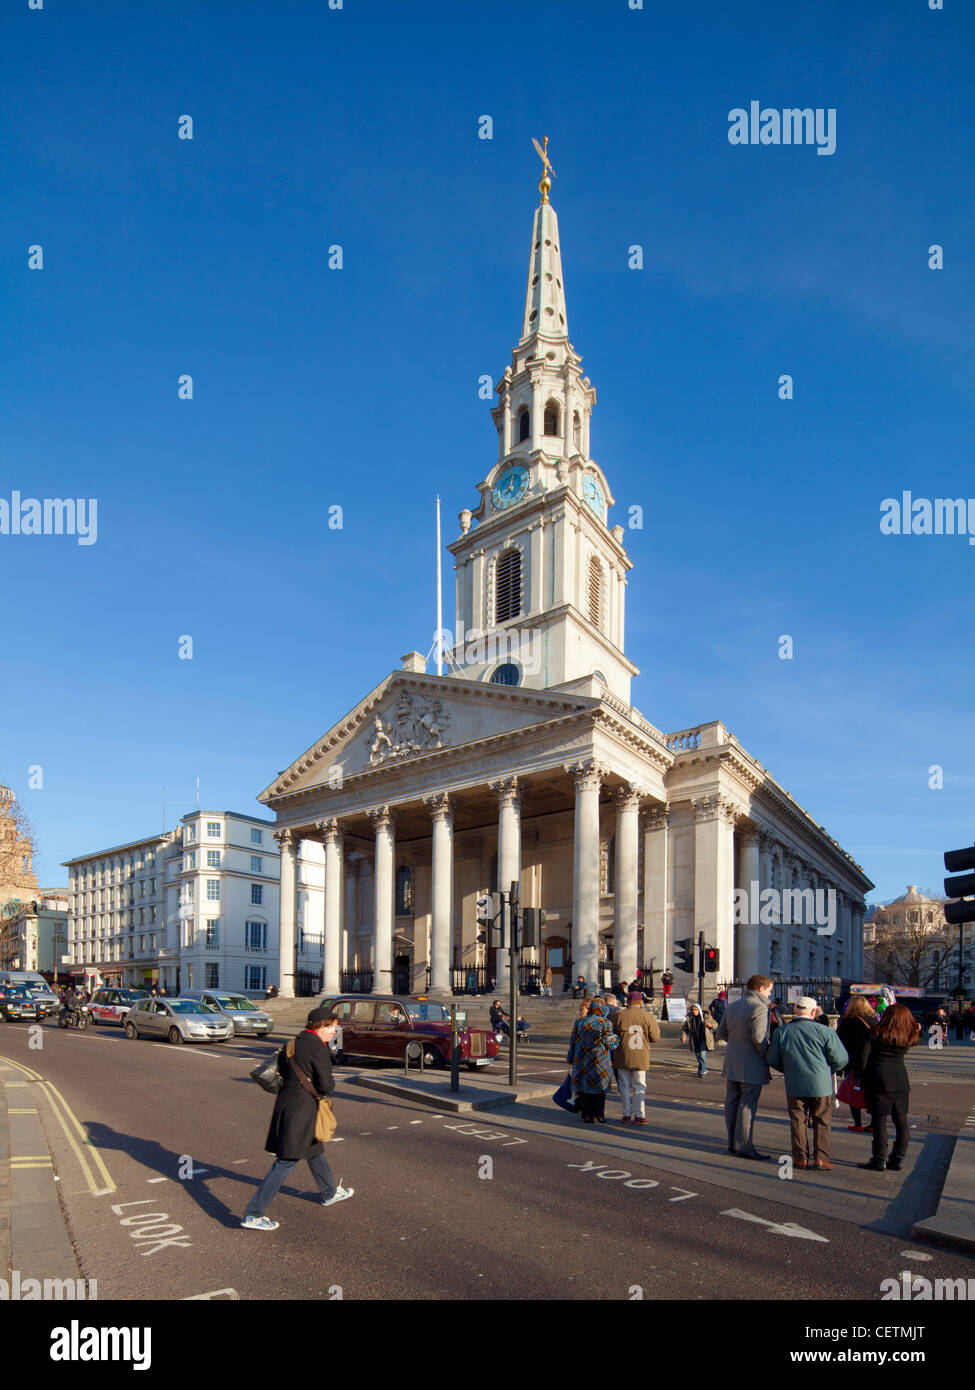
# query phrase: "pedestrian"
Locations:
[[718, 1005], [472, 982], [307, 1078], [808, 1056], [941, 1019], [853, 1031], [887, 1087], [498, 1024], [590, 1046], [774, 1016], [698, 1033], [745, 1029], [579, 988], [638, 1030], [547, 982]]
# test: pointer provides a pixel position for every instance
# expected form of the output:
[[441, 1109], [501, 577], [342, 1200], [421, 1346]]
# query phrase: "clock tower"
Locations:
[[540, 578]]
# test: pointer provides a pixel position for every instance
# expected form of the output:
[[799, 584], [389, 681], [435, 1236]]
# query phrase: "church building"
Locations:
[[528, 762]]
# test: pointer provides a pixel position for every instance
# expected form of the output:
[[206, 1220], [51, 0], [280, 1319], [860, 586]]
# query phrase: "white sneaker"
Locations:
[[339, 1195], [259, 1223]]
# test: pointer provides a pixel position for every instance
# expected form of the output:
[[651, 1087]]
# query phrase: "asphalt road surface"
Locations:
[[445, 1207]]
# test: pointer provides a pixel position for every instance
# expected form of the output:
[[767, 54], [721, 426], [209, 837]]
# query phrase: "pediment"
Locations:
[[411, 715]]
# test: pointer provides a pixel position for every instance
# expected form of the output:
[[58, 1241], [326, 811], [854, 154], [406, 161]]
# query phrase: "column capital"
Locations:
[[656, 817], [440, 805], [507, 791], [382, 818], [629, 796], [767, 842], [709, 808], [287, 839], [329, 830], [748, 834], [588, 776]]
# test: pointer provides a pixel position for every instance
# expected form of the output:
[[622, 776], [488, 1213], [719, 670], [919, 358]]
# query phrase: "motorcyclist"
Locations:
[[72, 1004]]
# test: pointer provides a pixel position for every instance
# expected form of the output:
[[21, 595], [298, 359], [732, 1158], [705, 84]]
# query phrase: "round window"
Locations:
[[508, 674]]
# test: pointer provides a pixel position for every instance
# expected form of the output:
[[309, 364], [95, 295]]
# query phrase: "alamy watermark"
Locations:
[[791, 126], [804, 906], [920, 516], [19, 1290], [50, 516]]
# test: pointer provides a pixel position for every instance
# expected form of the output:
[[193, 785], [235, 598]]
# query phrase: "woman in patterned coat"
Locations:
[[590, 1046]]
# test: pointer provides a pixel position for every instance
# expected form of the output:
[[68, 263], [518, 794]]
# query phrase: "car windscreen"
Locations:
[[236, 1001], [190, 1006], [428, 1013]]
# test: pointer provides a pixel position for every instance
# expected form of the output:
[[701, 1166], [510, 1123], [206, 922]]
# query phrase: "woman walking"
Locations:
[[696, 1033], [590, 1047], [885, 1083], [854, 1030]]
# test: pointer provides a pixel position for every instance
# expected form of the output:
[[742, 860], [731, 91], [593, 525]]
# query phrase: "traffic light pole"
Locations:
[[512, 913], [700, 970]]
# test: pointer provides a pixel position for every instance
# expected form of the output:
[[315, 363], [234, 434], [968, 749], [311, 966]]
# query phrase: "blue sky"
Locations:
[[318, 387]]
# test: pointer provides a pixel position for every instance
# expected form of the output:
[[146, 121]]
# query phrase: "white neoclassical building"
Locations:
[[528, 760]]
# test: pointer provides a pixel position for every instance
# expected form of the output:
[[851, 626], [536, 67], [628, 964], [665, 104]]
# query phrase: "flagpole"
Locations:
[[439, 598]]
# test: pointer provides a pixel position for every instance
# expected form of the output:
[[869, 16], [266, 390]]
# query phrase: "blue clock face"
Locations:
[[510, 487], [593, 494]]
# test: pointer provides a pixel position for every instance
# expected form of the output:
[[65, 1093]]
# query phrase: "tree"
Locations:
[[913, 943]]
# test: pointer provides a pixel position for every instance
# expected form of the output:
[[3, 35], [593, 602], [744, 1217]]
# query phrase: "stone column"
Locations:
[[349, 923], [334, 892], [625, 928], [656, 888], [587, 777], [747, 947], [442, 892], [288, 845], [509, 862], [384, 882], [766, 850], [714, 872], [506, 435]]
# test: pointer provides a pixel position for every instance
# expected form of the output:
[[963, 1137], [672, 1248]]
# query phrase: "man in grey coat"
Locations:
[[744, 1028]]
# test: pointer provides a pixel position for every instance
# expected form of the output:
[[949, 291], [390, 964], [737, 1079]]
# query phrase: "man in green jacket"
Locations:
[[808, 1054]]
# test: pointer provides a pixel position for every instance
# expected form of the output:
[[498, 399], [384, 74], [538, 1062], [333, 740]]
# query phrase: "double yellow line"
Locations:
[[75, 1133]]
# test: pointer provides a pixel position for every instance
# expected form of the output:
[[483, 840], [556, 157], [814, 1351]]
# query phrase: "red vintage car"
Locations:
[[383, 1025]]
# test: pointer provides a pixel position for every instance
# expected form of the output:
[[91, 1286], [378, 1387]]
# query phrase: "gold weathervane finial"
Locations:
[[545, 183]]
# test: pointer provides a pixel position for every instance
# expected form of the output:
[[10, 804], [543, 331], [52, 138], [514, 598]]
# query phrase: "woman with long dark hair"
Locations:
[[854, 1030], [887, 1088]]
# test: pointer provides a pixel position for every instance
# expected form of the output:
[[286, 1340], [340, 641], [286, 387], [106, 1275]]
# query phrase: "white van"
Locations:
[[36, 983]]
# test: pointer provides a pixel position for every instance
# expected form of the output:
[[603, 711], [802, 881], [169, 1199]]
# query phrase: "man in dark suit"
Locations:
[[291, 1136], [744, 1028]]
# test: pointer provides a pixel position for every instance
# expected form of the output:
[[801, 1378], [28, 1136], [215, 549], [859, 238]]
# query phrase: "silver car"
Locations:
[[244, 1015], [179, 1020]]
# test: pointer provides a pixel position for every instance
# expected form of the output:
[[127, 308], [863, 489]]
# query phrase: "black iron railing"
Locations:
[[356, 981]]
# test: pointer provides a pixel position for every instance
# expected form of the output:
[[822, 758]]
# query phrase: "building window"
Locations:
[[257, 837], [213, 830], [552, 419], [212, 972], [508, 674], [257, 864], [255, 977], [190, 834], [404, 891], [189, 860], [255, 936], [595, 591], [213, 932], [577, 430], [507, 586], [524, 425], [152, 914], [213, 890], [142, 944], [213, 859], [152, 942], [257, 894]]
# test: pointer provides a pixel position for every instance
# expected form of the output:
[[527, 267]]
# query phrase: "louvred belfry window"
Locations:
[[595, 591], [507, 588]]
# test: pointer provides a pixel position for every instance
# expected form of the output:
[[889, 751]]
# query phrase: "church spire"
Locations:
[[544, 315]]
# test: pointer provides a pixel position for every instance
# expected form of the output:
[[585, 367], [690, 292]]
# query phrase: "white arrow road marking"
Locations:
[[217, 1293], [785, 1228]]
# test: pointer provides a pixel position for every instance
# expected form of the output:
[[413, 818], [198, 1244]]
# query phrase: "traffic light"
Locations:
[[684, 955], [712, 960], [532, 926], [489, 913], [962, 886]]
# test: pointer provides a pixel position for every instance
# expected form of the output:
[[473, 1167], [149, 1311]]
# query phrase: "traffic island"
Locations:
[[433, 1088], [953, 1224]]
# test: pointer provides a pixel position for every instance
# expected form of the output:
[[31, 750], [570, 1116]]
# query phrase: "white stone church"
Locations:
[[528, 761]]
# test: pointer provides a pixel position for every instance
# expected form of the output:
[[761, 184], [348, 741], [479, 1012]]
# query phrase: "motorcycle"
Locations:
[[75, 1018]]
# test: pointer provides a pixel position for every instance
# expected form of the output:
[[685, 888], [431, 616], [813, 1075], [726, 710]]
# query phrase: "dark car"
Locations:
[[383, 1025], [18, 1004]]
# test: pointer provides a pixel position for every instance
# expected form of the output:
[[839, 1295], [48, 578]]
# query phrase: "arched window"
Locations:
[[507, 586], [577, 430], [552, 419], [524, 425], [404, 891], [595, 591], [508, 674]]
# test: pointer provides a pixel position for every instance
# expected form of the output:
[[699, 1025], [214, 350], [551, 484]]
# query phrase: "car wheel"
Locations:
[[175, 1036], [432, 1057], [131, 1031], [339, 1058], [83, 1021]]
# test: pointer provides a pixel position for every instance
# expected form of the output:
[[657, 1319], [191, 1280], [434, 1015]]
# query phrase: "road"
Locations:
[[528, 1207]]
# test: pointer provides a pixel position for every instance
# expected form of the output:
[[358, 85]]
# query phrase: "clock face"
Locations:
[[593, 494], [510, 487]]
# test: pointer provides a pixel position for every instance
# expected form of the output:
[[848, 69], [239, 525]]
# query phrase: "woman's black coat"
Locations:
[[291, 1135]]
